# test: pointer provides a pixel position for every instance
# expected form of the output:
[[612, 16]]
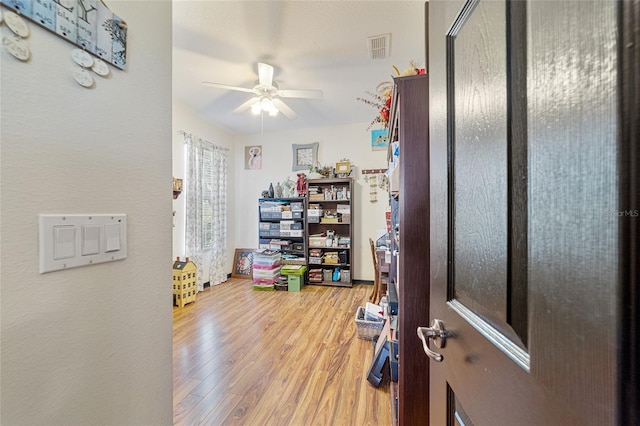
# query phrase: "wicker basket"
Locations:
[[367, 330]]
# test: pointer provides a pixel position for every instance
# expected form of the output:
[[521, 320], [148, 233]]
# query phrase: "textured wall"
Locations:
[[90, 345]]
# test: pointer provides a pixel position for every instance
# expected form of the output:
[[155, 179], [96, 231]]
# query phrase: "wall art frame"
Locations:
[[304, 156], [243, 263]]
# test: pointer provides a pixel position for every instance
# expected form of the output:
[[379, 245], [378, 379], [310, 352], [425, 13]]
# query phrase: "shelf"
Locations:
[[277, 229], [330, 248], [274, 236], [341, 191], [332, 283], [410, 209], [341, 201], [317, 265]]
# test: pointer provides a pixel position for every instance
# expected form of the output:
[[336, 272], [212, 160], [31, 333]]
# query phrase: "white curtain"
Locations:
[[206, 209]]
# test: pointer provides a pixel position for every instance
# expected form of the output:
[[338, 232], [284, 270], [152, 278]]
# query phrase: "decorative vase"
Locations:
[[270, 190]]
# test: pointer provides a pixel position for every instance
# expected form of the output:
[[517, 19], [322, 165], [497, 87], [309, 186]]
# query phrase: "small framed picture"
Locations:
[[177, 184], [379, 140], [304, 156], [253, 157], [343, 168], [243, 263]]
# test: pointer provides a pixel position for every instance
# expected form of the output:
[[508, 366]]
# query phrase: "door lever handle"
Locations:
[[438, 334]]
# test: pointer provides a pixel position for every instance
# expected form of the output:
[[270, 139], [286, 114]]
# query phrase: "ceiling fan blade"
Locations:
[[306, 93], [225, 86], [265, 74], [284, 108], [246, 105]]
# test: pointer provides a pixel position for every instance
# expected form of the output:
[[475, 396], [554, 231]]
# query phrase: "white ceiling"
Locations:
[[311, 44]]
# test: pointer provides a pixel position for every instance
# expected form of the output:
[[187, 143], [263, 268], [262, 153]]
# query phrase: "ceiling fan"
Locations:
[[267, 95]]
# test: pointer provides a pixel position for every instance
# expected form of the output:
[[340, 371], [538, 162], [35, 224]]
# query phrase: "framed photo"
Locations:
[[177, 184], [379, 140], [343, 168], [253, 157], [243, 263], [304, 156]]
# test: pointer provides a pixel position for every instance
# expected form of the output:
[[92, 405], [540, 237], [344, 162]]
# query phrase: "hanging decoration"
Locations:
[[82, 76], [88, 24], [381, 98], [15, 43], [376, 178]]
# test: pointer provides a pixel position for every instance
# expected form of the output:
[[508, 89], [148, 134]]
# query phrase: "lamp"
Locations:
[[265, 104]]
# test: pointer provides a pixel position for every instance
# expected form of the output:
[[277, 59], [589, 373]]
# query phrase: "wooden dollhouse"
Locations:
[[184, 282]]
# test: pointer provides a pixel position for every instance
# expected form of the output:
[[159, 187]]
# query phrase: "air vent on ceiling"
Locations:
[[379, 46]]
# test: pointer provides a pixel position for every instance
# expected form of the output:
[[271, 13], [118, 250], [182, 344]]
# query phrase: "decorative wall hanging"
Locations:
[[88, 24], [253, 157], [376, 179], [304, 156], [14, 44], [87, 62], [379, 140]]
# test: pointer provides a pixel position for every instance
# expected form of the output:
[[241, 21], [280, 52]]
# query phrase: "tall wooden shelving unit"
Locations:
[[337, 197], [409, 125]]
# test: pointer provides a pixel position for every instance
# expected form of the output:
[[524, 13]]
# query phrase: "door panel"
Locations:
[[524, 236], [573, 234], [478, 84]]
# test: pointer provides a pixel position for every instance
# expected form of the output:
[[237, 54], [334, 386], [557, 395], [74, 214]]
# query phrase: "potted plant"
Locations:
[[320, 172]]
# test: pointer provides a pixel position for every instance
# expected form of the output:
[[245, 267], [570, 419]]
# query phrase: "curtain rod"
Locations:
[[183, 133]]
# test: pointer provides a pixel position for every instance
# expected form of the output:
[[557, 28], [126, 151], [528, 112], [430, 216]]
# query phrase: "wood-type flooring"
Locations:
[[245, 357]]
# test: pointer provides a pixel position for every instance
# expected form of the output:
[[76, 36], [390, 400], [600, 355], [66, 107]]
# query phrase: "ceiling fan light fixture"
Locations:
[[266, 104], [267, 95]]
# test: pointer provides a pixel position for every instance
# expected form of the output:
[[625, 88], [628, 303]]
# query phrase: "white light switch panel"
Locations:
[[73, 240]]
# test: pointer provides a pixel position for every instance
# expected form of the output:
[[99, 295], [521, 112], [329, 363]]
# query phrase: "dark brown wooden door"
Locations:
[[527, 204]]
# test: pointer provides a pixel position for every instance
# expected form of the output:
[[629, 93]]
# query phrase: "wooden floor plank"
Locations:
[[245, 357]]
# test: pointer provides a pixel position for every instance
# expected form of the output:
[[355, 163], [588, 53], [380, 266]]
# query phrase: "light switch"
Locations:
[[90, 239], [112, 237], [74, 240], [64, 242]]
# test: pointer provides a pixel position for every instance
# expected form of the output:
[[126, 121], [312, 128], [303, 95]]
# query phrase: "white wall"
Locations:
[[91, 345], [349, 141], [185, 120]]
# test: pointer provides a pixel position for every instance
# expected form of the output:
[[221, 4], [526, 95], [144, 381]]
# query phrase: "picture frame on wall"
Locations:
[[243, 263], [304, 156], [253, 157], [379, 140]]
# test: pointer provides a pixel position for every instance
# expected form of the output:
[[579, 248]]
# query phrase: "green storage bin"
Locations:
[[295, 282], [295, 276]]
